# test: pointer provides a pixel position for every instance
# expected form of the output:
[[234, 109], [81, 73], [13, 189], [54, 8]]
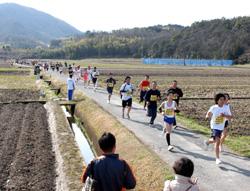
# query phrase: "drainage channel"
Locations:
[[86, 151]]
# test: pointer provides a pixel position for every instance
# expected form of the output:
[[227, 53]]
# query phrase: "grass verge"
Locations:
[[149, 169]]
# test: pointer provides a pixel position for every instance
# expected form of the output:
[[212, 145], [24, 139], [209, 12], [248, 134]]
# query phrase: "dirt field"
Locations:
[[7, 95], [27, 160]]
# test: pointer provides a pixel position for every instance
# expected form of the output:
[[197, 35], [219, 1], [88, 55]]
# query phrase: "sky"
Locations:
[[108, 15]]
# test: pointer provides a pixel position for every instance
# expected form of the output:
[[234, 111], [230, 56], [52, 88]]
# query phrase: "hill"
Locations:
[[25, 27], [215, 39]]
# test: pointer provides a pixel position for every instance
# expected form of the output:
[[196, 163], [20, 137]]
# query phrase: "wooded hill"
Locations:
[[215, 39]]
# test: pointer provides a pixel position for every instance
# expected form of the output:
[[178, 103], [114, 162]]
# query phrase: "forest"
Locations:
[[215, 39]]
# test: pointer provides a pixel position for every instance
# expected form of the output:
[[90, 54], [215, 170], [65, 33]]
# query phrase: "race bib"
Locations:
[[111, 85], [169, 112], [146, 88], [129, 93], [219, 120], [175, 96], [153, 98]]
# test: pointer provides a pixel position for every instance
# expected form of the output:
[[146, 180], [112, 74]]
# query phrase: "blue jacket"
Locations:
[[111, 173]]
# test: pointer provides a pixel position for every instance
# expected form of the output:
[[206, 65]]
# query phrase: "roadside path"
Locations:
[[232, 175]]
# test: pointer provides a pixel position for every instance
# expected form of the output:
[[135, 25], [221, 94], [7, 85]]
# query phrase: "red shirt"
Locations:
[[144, 85]]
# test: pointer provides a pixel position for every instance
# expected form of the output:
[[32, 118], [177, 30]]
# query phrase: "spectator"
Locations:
[[183, 169], [71, 87], [110, 172]]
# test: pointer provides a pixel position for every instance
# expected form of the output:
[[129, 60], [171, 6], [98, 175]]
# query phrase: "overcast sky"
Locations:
[[107, 15]]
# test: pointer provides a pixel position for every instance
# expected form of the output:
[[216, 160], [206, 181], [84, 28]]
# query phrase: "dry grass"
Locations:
[[149, 169], [72, 161]]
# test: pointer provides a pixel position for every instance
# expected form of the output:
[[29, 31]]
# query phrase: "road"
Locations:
[[232, 175]]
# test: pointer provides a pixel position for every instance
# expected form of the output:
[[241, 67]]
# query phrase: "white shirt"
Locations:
[[95, 74], [180, 183], [218, 122], [127, 91], [70, 84], [89, 71], [169, 110], [227, 106]]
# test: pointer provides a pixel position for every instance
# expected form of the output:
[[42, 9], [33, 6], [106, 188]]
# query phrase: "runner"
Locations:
[[126, 92], [110, 86], [218, 114], [151, 97], [71, 87], [85, 77], [94, 75], [143, 88], [169, 108], [177, 94], [225, 131], [89, 71]]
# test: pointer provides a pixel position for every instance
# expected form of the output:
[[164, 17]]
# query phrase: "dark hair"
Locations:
[[184, 167], [70, 75], [154, 82], [110, 74], [170, 92], [147, 76], [218, 96], [227, 95], [174, 81], [127, 77], [107, 142]]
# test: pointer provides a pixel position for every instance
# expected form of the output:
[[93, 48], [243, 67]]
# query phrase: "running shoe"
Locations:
[[218, 161], [151, 124], [170, 148], [206, 144]]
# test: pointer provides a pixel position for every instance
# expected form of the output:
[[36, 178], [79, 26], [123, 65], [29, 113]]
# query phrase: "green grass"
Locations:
[[17, 82], [238, 144], [13, 70]]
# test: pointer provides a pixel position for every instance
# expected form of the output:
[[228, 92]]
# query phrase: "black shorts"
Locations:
[[226, 124], [127, 103], [216, 133], [94, 80], [110, 91]]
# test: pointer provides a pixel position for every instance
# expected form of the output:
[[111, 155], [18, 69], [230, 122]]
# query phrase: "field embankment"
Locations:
[[149, 169]]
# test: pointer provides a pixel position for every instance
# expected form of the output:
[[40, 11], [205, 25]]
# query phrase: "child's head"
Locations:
[[110, 75], [127, 79], [170, 95], [85, 69], [184, 167], [146, 77], [71, 76], [107, 142], [220, 99]]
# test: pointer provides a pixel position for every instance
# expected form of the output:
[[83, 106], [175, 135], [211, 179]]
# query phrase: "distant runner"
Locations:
[[110, 86], [177, 95], [85, 77], [71, 87], [225, 131], [218, 115], [152, 97], [143, 87], [168, 107], [89, 71], [94, 75], [126, 92]]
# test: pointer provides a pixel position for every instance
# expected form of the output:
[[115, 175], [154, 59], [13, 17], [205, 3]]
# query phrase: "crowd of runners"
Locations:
[[219, 114]]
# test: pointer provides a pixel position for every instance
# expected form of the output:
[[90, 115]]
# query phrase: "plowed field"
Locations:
[[26, 156]]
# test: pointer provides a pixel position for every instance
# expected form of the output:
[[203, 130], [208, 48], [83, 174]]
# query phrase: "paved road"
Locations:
[[232, 175]]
